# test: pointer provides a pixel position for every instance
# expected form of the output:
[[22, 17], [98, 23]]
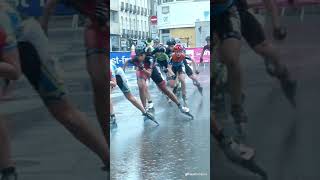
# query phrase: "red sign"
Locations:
[[154, 19]]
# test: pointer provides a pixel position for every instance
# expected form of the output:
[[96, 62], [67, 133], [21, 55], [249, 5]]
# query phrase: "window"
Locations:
[[126, 23], [122, 25], [138, 27], [142, 25], [114, 16], [145, 25], [134, 24], [165, 31]]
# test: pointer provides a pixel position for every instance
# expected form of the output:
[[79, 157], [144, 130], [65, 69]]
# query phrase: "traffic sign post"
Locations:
[[154, 29], [154, 20]]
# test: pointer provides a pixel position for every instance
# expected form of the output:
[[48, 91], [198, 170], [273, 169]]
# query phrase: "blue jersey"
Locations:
[[218, 8]]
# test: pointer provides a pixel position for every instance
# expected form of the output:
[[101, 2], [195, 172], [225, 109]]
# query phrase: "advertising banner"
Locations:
[[195, 53], [119, 58]]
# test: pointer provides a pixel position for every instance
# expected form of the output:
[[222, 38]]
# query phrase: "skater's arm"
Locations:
[[10, 65], [201, 56], [194, 65], [125, 65], [170, 71], [113, 82], [9, 55], [147, 71], [48, 10]]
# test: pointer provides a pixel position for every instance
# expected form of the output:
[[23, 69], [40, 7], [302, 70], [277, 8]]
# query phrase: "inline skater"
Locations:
[[37, 65], [176, 67], [149, 52], [113, 84], [119, 78], [252, 31], [170, 43], [227, 27], [232, 21], [144, 70], [205, 48], [9, 70], [161, 58], [96, 42], [156, 42]]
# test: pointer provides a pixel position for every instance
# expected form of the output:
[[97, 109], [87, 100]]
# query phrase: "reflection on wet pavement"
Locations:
[[141, 150]]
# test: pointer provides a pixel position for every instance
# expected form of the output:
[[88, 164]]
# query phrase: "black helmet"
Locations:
[[208, 38], [149, 40], [140, 48], [160, 48], [171, 42]]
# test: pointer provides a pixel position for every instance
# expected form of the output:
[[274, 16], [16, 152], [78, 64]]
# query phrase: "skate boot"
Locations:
[[150, 106], [150, 117], [185, 110], [113, 121], [198, 85], [236, 150]]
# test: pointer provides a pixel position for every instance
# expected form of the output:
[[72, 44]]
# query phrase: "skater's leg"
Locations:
[[135, 102], [111, 106], [78, 125], [96, 44], [142, 91], [113, 120], [254, 34], [57, 103], [230, 56], [229, 33], [149, 99], [272, 57], [148, 93], [167, 92], [183, 84], [5, 147]]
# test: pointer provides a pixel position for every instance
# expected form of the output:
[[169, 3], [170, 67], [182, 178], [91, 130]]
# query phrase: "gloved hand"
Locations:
[[113, 84], [279, 33], [141, 67], [173, 77]]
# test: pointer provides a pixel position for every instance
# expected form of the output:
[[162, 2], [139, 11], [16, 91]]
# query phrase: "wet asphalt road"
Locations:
[[140, 150], [286, 139]]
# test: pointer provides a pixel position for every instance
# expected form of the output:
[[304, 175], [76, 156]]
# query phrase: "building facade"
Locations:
[[178, 18], [131, 19]]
